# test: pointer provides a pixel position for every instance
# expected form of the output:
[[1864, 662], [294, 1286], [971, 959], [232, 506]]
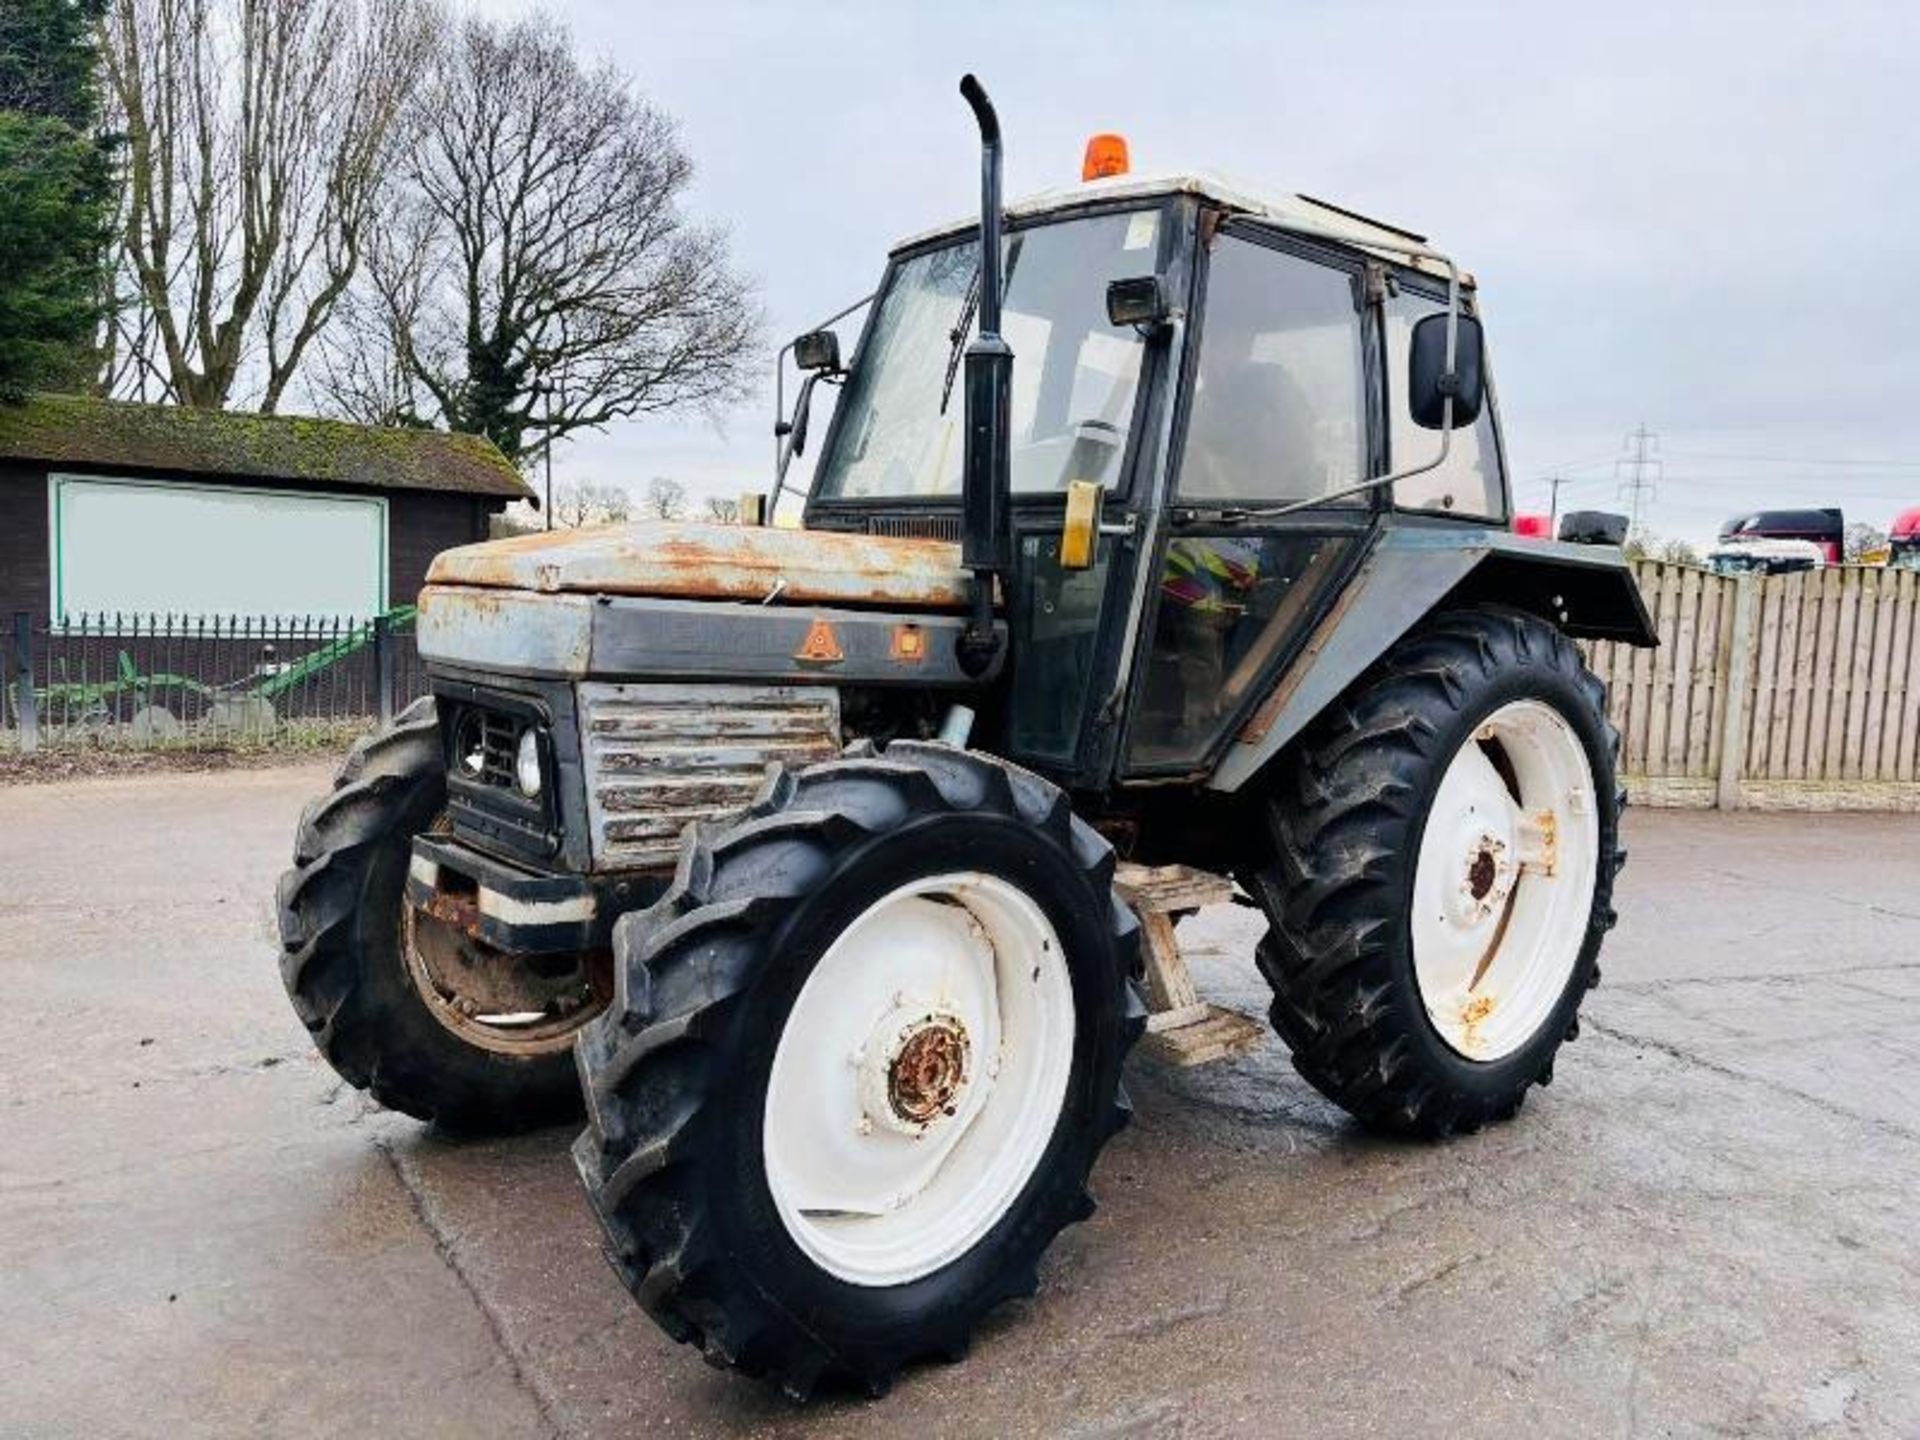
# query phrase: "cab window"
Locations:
[[1469, 483], [1279, 391]]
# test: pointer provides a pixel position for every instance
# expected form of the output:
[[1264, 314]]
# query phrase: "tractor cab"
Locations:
[[1209, 388]]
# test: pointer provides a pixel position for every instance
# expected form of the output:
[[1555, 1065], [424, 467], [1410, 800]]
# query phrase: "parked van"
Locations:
[[1826, 528]]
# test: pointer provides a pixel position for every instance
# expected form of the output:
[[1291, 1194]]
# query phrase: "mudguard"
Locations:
[[1587, 590]]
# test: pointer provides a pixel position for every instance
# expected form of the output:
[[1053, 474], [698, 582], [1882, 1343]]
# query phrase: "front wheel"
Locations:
[[404, 1006], [862, 1057], [1445, 844]]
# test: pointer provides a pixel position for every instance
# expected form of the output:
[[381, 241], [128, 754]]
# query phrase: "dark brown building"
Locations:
[[114, 508]]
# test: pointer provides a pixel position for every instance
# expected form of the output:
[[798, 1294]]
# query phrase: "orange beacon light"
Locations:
[[1106, 155]]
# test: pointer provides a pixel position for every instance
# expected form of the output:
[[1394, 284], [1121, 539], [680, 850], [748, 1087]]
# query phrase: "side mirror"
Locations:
[[1428, 384], [818, 350], [1138, 300]]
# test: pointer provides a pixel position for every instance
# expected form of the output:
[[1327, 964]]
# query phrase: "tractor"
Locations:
[[786, 854]]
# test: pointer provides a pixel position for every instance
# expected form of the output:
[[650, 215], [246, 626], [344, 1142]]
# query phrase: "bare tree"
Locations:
[[666, 498], [1676, 552], [539, 277], [590, 503], [727, 512], [258, 136], [1863, 540]]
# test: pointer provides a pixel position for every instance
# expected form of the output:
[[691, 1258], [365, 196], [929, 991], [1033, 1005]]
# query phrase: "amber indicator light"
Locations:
[[909, 644]]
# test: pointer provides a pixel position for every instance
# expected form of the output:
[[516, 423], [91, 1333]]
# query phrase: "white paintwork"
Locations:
[[1281, 208], [870, 1198], [140, 546], [505, 908], [1736, 547], [509, 911], [1493, 952]]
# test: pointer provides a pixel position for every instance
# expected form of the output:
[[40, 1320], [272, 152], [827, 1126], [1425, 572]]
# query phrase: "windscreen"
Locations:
[[1075, 376]]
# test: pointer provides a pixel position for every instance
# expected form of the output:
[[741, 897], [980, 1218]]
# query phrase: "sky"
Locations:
[[1696, 218]]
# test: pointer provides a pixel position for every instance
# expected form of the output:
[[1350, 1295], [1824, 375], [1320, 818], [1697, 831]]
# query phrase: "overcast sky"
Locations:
[[1695, 216]]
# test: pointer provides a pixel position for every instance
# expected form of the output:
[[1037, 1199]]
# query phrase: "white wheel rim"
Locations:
[[1503, 889], [919, 1078]]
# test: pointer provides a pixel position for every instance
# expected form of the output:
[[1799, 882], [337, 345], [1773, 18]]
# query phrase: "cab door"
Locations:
[[1106, 389], [1281, 405]]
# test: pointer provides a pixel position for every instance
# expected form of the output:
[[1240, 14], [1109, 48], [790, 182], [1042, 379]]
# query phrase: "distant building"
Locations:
[[111, 507]]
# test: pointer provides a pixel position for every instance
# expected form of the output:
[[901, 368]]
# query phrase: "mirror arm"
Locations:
[[782, 427], [793, 434], [1269, 512]]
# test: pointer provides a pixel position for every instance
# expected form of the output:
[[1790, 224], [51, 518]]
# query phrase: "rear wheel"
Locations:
[[1445, 844], [404, 1006], [861, 1059]]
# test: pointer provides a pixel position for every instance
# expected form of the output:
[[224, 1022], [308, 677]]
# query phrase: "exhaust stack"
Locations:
[[986, 529]]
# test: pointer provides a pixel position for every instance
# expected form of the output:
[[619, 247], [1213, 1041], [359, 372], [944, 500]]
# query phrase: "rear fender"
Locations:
[[1588, 591]]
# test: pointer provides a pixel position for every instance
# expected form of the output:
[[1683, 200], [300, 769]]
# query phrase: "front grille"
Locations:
[[915, 527], [659, 757]]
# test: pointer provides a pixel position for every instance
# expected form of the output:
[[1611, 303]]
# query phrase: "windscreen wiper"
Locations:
[[958, 337]]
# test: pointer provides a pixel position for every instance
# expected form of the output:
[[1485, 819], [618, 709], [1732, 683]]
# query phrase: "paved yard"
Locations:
[[1706, 1226]]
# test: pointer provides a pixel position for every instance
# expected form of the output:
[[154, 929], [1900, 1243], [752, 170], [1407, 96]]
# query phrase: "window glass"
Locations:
[[126, 545], [1469, 483], [1279, 399], [1229, 605], [1056, 622], [1074, 375]]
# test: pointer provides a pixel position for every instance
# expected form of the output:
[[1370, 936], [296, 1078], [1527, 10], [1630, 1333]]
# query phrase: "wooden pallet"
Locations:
[[1182, 1029]]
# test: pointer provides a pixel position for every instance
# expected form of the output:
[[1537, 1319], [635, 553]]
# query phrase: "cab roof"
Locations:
[[1285, 210]]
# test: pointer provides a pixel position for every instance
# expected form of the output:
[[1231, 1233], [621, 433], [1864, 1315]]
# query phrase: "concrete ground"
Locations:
[[1707, 1225]]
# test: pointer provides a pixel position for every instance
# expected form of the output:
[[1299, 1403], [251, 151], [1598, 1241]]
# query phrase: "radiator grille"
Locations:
[[915, 527], [661, 756]]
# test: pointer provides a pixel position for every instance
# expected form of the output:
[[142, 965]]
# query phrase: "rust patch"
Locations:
[[677, 560], [461, 912], [1480, 874], [927, 1074], [1473, 1015]]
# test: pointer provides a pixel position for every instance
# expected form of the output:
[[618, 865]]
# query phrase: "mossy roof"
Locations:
[[60, 430]]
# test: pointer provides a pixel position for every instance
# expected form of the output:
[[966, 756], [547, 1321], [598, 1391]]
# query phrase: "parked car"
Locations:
[[1766, 557]]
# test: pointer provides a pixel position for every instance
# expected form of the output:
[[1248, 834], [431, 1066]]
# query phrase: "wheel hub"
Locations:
[[928, 1072], [913, 1069], [1487, 871]]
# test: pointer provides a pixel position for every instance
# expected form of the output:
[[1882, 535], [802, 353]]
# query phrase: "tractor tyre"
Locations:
[[1444, 846], [861, 1058], [365, 971]]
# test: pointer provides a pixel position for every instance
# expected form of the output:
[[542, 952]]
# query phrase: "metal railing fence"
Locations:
[[152, 680]]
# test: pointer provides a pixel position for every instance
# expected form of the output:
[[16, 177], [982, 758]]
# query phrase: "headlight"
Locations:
[[526, 763], [470, 744]]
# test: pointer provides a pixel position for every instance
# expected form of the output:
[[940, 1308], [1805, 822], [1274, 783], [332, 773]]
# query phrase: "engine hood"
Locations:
[[680, 560]]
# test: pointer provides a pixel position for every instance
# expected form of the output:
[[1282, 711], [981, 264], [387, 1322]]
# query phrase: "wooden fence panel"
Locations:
[[1783, 605], [1806, 646], [1829, 714], [1906, 765]]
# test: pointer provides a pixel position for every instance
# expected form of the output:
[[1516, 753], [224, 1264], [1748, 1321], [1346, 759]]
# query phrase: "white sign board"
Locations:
[[140, 546]]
